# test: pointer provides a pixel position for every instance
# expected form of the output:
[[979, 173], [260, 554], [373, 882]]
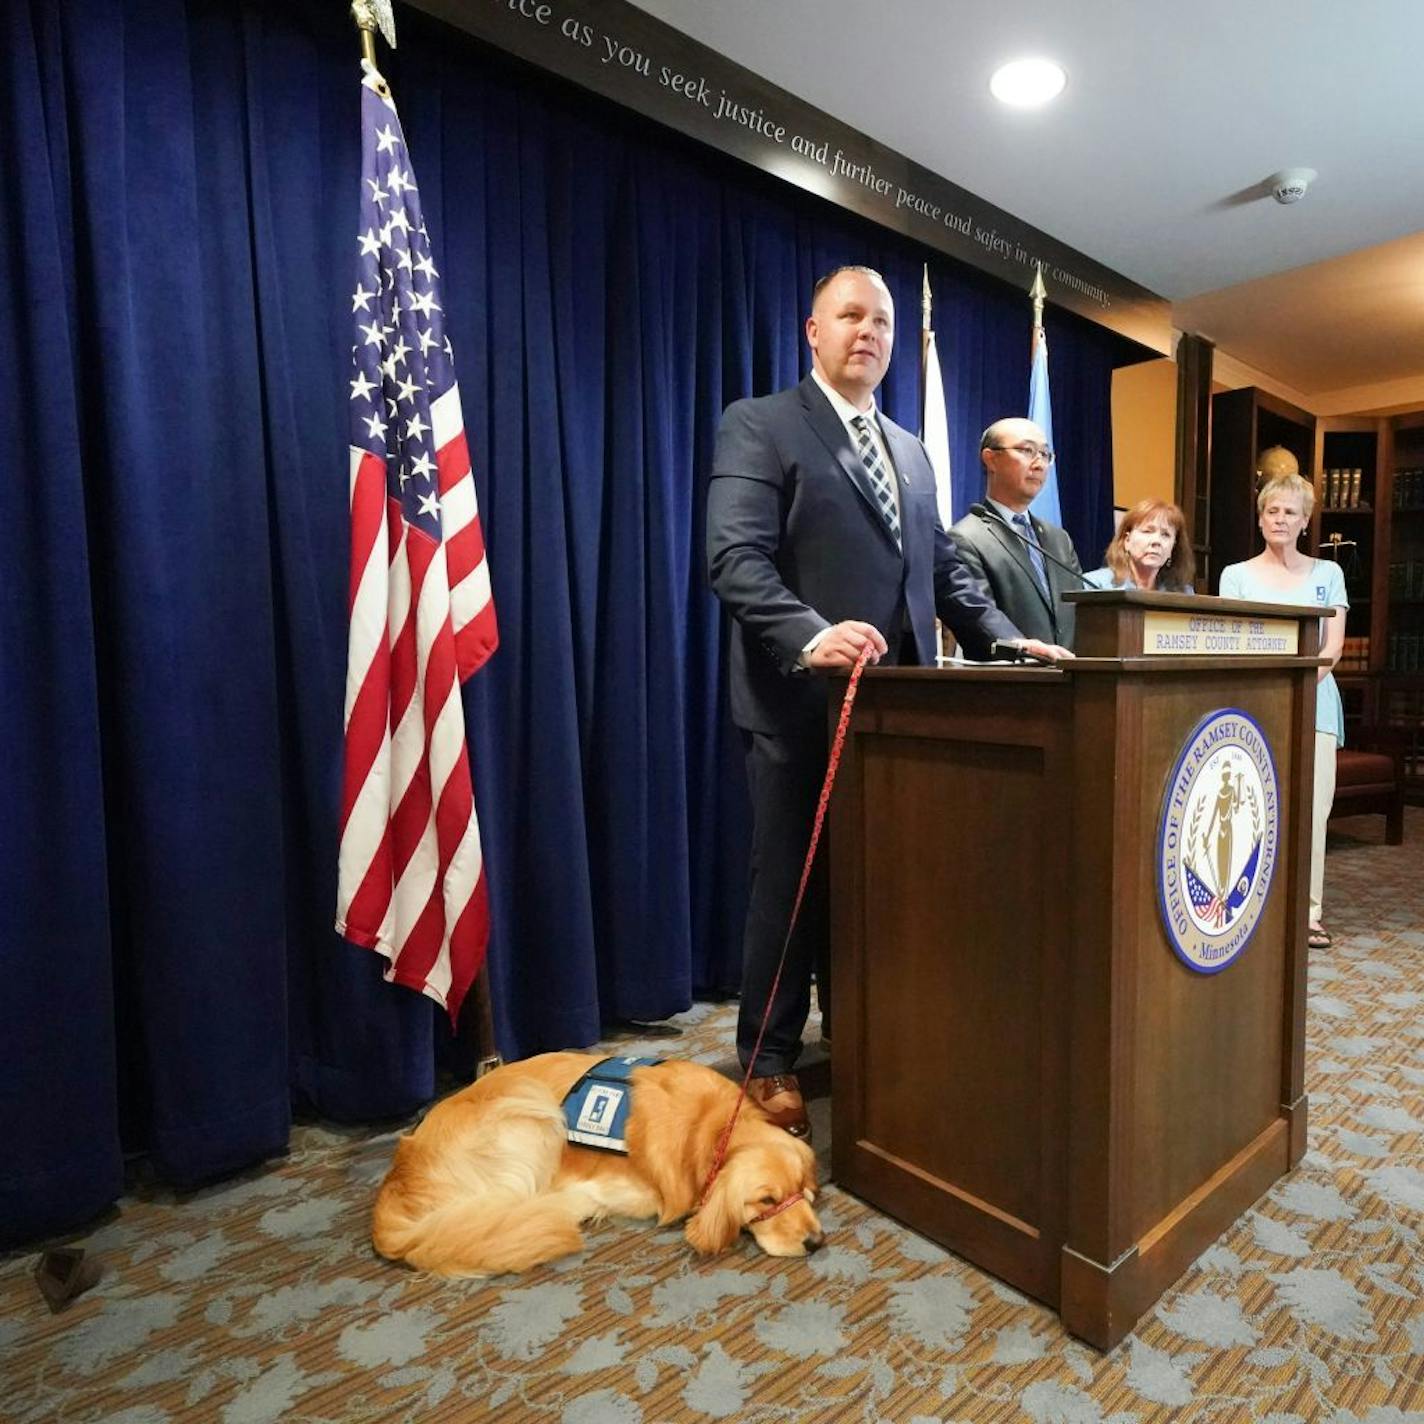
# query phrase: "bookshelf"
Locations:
[[1373, 526], [1400, 694], [1243, 423], [1349, 525], [1403, 652], [1369, 517]]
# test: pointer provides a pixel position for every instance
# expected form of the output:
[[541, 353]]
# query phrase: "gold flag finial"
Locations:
[[926, 301], [371, 15], [1038, 292]]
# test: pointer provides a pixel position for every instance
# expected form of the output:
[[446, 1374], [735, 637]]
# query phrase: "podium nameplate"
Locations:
[[1214, 635]]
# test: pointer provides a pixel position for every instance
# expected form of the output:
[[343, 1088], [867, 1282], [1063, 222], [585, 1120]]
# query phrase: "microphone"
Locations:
[[1002, 650], [993, 515]]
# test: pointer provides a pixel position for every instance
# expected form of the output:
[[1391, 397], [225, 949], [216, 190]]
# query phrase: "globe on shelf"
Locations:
[[1275, 462]]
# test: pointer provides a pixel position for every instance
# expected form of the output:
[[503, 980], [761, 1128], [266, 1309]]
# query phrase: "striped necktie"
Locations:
[[881, 481], [1035, 558]]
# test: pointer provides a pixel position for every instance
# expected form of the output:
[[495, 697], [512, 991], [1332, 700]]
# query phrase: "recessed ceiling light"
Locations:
[[1027, 83]]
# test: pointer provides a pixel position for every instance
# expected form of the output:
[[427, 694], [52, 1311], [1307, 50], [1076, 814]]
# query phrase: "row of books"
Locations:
[[1355, 656], [1409, 489], [1406, 581], [1340, 489], [1405, 653]]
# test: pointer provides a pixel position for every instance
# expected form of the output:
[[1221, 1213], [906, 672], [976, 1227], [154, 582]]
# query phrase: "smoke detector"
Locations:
[[1290, 184]]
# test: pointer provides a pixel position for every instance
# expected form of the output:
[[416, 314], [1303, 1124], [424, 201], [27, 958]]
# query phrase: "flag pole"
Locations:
[[926, 324], [926, 328], [1040, 401], [934, 427], [934, 419], [364, 13]]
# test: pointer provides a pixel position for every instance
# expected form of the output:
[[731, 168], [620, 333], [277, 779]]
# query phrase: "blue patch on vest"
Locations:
[[596, 1107]]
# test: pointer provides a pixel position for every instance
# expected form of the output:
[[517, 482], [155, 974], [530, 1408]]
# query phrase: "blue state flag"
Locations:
[[1040, 411]]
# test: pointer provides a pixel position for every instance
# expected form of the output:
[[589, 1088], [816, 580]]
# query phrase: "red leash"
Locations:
[[837, 744]]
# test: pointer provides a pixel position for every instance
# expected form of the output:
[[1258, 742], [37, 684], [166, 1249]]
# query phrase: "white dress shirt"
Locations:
[[847, 413]]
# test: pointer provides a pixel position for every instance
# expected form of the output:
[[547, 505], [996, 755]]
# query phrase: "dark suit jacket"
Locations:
[[1002, 563], [796, 542]]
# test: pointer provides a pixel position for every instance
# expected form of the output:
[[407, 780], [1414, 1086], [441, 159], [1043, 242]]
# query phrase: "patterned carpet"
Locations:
[[260, 1299]]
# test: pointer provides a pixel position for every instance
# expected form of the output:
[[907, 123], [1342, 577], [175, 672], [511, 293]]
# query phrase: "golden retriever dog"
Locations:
[[488, 1181]]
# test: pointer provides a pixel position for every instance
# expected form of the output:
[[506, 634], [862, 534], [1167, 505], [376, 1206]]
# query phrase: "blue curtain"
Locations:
[[179, 214]]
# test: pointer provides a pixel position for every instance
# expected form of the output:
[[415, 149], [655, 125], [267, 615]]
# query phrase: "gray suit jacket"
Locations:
[[1002, 564], [796, 542]]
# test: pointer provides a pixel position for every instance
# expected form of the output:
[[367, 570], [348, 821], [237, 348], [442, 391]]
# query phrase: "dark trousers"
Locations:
[[784, 775]]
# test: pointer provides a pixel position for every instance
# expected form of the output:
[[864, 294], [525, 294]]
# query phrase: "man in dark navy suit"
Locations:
[[822, 537]]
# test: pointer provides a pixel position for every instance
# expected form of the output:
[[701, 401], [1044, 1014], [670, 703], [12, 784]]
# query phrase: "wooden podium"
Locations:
[[1025, 1069]]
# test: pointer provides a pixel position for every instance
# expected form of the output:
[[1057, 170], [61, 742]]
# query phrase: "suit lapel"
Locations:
[[1018, 551], [836, 438], [902, 447]]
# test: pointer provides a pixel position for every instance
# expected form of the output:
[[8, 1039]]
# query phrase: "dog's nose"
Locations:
[[813, 1242]]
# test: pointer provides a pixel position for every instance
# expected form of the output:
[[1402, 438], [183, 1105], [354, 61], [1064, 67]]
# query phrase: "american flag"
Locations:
[[1209, 905], [411, 881]]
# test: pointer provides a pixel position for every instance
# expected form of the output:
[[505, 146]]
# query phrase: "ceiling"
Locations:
[[1154, 158]]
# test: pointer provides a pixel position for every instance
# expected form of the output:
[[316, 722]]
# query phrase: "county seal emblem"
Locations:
[[1218, 840]]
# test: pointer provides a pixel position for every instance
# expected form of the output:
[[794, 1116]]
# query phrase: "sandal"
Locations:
[[1318, 937]]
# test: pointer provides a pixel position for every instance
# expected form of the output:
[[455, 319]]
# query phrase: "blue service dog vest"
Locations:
[[596, 1107]]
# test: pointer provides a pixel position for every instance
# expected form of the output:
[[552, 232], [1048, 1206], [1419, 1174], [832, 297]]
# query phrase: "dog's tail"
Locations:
[[469, 1195], [464, 1239]]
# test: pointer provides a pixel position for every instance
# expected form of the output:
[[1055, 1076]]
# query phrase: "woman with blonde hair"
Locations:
[[1150, 550], [1284, 573]]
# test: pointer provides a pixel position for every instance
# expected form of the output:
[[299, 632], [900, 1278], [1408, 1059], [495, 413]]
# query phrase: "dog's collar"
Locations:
[[780, 1206]]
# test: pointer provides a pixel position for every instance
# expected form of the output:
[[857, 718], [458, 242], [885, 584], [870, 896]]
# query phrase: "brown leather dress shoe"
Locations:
[[779, 1096]]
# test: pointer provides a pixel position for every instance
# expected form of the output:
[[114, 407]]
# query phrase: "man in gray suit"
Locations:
[[822, 538], [1023, 583]]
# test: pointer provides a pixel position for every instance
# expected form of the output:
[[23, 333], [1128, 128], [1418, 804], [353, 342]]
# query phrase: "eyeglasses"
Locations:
[[1029, 451]]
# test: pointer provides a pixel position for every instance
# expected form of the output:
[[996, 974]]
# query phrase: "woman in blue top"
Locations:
[[1150, 550], [1282, 573]]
